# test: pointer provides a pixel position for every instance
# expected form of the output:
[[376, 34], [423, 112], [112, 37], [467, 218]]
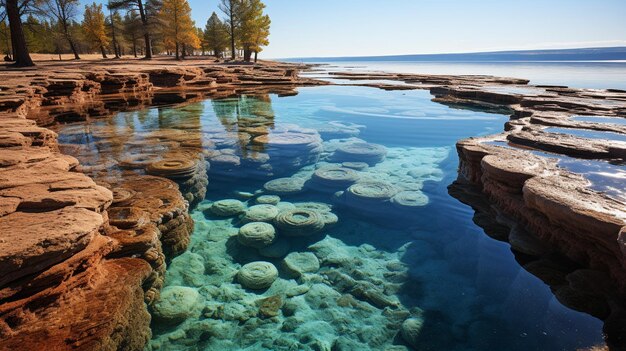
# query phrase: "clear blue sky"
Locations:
[[308, 28]]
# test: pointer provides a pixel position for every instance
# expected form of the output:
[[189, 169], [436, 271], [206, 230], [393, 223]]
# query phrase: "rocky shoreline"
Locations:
[[74, 239], [82, 259]]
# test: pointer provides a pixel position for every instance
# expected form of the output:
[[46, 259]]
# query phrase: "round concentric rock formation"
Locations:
[[122, 195], [332, 179], [176, 304], [227, 208], [299, 222], [370, 192], [360, 152], [257, 275], [284, 186], [257, 235], [138, 161], [127, 217], [173, 168], [268, 200], [260, 213], [409, 199], [298, 263], [284, 139]]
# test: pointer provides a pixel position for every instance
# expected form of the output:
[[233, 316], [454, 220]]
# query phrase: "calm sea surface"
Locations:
[[403, 247], [596, 75]]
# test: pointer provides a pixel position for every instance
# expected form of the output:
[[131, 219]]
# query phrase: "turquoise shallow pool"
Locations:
[[362, 213]]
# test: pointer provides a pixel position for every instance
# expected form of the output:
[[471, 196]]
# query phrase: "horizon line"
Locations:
[[457, 53]]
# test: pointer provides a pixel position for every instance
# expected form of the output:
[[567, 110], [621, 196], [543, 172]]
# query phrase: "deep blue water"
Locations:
[[468, 290]]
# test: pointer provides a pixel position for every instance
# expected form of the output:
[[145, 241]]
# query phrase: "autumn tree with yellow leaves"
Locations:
[[94, 27], [178, 30]]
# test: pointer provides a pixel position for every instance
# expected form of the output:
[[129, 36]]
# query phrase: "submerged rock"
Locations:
[[176, 304], [299, 222], [409, 200], [410, 331], [270, 306], [333, 179], [256, 235], [260, 213], [360, 152], [298, 263], [257, 275], [227, 208], [268, 200], [284, 186]]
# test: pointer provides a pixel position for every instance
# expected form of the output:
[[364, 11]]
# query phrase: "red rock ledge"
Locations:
[[79, 260]]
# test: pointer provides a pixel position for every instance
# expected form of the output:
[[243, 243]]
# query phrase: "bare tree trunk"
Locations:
[[177, 57], [135, 47], [256, 56], [232, 30], [115, 47], [104, 53], [72, 46], [146, 35], [20, 50]]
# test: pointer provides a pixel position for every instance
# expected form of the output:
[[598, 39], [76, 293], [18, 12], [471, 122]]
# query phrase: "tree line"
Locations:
[[131, 27]]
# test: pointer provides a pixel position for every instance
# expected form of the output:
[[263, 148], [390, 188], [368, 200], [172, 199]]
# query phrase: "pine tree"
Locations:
[[255, 28], [64, 11], [142, 9], [132, 29], [233, 9], [94, 27], [216, 35], [179, 31]]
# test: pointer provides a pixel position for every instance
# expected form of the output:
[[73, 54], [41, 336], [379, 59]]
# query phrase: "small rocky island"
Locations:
[[83, 251]]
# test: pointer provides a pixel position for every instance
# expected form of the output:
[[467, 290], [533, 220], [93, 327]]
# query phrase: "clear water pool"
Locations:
[[351, 285], [600, 119], [587, 133]]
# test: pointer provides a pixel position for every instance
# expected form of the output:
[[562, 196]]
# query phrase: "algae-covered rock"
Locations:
[[260, 213], [410, 331], [227, 208], [298, 263], [360, 152], [409, 199], [329, 218], [299, 222], [268, 200], [333, 179], [314, 206], [176, 304], [368, 197], [284, 186], [257, 275], [256, 235], [372, 191]]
